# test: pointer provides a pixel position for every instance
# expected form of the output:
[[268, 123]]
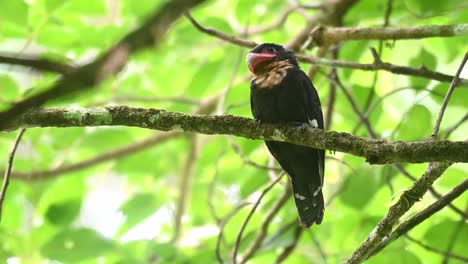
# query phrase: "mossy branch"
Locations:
[[375, 151]]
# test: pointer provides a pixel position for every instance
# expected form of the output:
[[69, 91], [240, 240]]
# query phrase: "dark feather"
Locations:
[[293, 99]]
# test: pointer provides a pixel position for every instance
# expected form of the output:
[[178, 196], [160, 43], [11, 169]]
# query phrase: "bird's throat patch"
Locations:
[[273, 75]]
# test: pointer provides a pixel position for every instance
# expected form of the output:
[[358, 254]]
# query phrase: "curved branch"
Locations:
[[109, 63], [376, 151]]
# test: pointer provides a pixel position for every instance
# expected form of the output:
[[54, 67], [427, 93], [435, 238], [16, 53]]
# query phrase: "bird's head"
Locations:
[[263, 55]]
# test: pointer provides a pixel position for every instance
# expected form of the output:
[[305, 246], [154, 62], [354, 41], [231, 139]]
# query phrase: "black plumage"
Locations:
[[282, 92]]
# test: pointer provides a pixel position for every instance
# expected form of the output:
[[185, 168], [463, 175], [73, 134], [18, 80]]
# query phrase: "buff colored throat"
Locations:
[[273, 75]]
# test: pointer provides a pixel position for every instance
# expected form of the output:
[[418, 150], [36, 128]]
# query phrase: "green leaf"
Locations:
[[394, 254], [416, 124], [137, 209], [459, 95], [63, 212], [76, 245], [15, 11], [9, 90], [361, 186], [432, 7]]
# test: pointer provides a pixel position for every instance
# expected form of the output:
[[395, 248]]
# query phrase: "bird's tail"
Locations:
[[309, 202]]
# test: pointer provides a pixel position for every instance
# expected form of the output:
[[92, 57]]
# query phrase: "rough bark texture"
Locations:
[[375, 151]]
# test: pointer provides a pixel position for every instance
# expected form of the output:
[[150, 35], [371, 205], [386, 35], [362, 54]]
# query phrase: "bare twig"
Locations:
[[110, 155], [370, 97], [456, 126], [452, 240], [289, 249], [185, 185], [211, 189], [220, 34], [260, 237], [436, 250], [37, 63], [432, 190], [375, 66], [409, 197], [423, 215], [252, 211], [384, 66], [245, 159], [454, 84], [406, 201], [6, 177], [221, 229]]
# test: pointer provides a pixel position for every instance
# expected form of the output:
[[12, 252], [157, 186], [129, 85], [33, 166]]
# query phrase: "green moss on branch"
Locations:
[[374, 151]]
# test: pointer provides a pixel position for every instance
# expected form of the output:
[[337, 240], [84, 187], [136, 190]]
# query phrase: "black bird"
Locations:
[[281, 92]]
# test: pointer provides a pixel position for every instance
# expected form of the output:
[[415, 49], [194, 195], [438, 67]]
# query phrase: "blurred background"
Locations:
[[131, 195]]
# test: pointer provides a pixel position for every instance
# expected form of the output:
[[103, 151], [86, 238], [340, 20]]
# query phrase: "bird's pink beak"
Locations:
[[253, 59]]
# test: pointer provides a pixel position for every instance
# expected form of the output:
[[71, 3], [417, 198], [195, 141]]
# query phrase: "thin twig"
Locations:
[[404, 227], [384, 66], [220, 34], [452, 240], [186, 185], [456, 126], [453, 84], [370, 97], [289, 249], [246, 160], [261, 234], [252, 211], [151, 141], [6, 177], [375, 66], [211, 188], [221, 229], [436, 250], [432, 190], [406, 201]]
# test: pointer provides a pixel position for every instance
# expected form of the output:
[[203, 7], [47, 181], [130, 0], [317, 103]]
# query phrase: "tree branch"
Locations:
[[376, 151], [379, 65], [453, 84], [6, 178], [37, 63], [109, 63], [331, 35], [423, 215], [406, 201]]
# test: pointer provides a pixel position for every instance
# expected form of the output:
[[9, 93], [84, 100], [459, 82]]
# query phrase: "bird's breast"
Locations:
[[273, 76]]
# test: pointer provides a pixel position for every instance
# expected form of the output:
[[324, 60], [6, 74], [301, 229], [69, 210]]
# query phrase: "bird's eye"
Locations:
[[269, 50]]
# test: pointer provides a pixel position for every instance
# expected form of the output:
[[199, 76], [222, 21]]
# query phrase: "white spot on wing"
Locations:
[[300, 197], [316, 192], [313, 123]]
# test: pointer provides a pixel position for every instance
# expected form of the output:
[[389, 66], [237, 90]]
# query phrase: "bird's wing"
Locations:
[[312, 110]]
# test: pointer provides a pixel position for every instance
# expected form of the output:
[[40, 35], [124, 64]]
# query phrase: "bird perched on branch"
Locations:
[[281, 92]]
